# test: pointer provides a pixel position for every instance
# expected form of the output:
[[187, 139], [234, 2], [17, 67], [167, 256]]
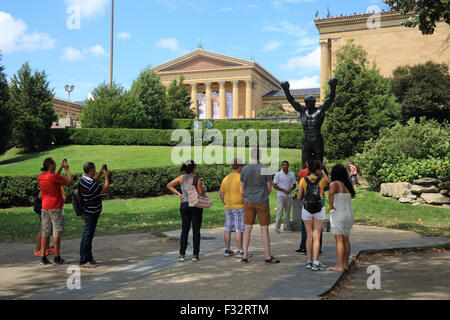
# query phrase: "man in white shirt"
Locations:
[[284, 182]]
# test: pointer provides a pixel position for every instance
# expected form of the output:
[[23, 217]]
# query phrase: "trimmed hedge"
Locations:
[[228, 124], [290, 139], [124, 184]]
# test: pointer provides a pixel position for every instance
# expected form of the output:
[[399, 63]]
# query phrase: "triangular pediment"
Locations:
[[201, 60]]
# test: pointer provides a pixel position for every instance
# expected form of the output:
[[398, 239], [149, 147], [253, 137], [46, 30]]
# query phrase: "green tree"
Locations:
[[275, 110], [179, 101], [364, 103], [427, 12], [31, 100], [423, 91], [113, 107], [6, 115], [152, 94]]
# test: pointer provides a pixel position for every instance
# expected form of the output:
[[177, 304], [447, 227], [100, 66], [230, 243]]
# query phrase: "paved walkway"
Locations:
[[215, 277]]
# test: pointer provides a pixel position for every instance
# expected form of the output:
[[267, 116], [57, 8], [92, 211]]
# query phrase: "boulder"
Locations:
[[444, 185], [435, 198], [427, 182], [417, 189], [395, 190], [446, 206], [444, 192], [411, 197], [404, 200], [442, 178]]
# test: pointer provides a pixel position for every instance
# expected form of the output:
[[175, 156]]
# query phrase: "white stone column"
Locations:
[[222, 101], [325, 67], [235, 99], [248, 98], [194, 97], [208, 100]]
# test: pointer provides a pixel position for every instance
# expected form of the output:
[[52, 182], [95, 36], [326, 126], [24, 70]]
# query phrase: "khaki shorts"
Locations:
[[52, 218], [262, 210]]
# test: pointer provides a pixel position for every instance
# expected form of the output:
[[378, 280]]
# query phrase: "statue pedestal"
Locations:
[[296, 222]]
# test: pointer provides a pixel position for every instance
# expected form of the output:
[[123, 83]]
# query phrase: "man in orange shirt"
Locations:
[[52, 216]]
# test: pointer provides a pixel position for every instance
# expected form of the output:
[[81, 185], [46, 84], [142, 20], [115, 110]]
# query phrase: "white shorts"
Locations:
[[317, 216]]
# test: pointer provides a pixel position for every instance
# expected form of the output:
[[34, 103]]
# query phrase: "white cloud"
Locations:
[[305, 82], [310, 62], [288, 28], [89, 8], [13, 37], [271, 46], [225, 9], [96, 51], [124, 35], [71, 54], [168, 43], [179, 4]]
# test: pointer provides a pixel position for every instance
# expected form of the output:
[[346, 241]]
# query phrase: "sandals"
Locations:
[[272, 260], [244, 260]]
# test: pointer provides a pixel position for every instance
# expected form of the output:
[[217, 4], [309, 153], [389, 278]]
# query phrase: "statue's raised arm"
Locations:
[[333, 83], [297, 106]]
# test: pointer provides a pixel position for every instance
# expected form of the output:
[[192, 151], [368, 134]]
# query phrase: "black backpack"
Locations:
[[77, 201], [313, 200]]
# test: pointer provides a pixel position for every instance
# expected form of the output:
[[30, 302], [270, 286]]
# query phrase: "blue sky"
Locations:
[[279, 34]]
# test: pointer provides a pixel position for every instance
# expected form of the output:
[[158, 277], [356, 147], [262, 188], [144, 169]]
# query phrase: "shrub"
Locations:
[[291, 139], [404, 144], [179, 101], [275, 110], [228, 124]]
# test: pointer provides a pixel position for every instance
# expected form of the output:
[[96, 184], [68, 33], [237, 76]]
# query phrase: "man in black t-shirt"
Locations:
[[90, 192]]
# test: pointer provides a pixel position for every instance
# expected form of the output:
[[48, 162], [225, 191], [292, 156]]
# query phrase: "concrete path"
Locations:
[[215, 277]]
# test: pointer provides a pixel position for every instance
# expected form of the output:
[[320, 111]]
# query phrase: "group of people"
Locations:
[[52, 215], [245, 195]]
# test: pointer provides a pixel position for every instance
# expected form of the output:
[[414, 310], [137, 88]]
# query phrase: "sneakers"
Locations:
[[301, 251], [195, 258], [228, 253], [288, 230], [58, 261], [318, 266], [181, 258], [308, 265], [44, 261], [240, 254], [277, 230]]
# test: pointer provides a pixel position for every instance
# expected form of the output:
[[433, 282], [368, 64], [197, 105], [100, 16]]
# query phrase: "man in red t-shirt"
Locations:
[[52, 216]]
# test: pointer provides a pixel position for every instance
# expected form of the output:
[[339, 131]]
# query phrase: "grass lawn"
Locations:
[[162, 213], [117, 157]]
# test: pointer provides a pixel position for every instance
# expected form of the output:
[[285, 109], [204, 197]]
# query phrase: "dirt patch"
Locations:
[[404, 275]]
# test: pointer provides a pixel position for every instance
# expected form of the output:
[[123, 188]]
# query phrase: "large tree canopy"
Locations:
[[427, 12], [363, 104], [31, 100], [6, 116], [422, 90]]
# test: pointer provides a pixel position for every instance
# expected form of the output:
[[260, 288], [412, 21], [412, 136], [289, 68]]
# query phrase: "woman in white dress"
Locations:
[[341, 214]]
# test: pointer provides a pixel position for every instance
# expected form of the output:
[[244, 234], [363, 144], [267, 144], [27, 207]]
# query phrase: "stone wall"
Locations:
[[422, 191]]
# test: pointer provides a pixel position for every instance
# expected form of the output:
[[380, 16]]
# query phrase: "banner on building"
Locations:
[[215, 105], [229, 102], [201, 104]]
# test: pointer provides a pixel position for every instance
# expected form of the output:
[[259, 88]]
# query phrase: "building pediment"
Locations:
[[201, 60]]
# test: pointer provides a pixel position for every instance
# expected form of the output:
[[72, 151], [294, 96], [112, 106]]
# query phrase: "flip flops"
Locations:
[[272, 260]]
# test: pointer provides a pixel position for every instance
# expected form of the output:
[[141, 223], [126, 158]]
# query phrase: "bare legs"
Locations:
[[265, 239], [313, 228], [227, 238], [342, 251]]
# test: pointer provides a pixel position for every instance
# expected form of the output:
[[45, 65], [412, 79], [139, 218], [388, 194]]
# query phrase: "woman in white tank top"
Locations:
[[341, 214]]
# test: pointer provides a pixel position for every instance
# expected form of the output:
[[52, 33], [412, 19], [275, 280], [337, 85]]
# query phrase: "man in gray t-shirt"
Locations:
[[256, 186]]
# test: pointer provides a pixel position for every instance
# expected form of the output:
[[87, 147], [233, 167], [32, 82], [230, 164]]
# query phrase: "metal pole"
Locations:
[[112, 44], [68, 106]]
